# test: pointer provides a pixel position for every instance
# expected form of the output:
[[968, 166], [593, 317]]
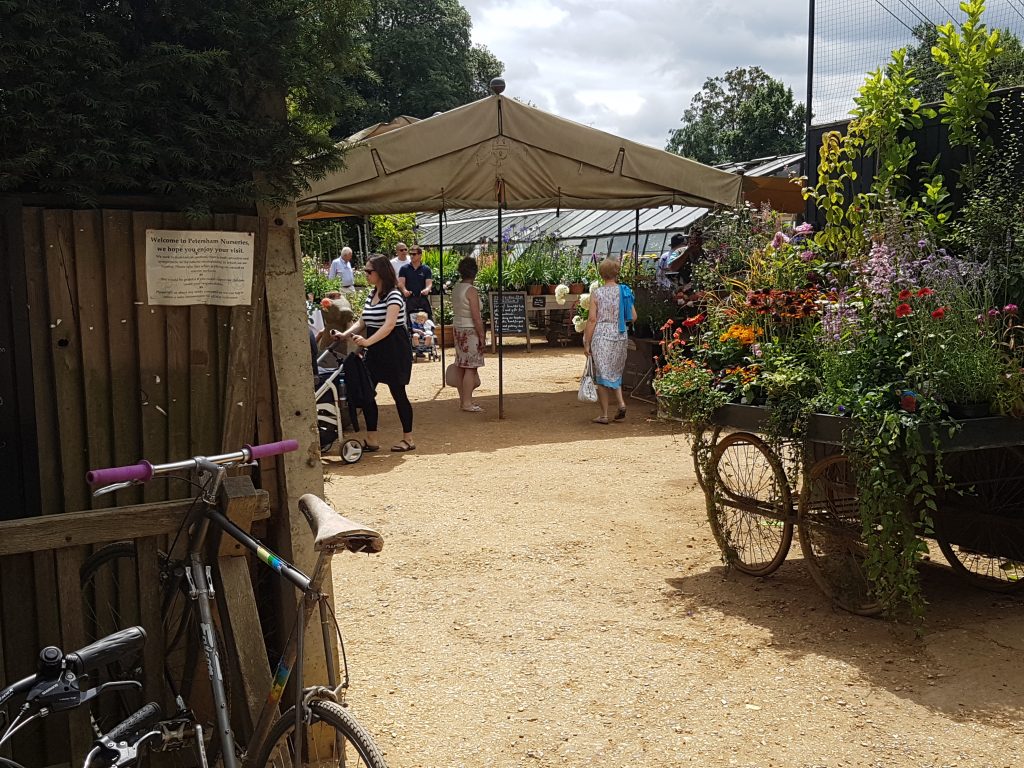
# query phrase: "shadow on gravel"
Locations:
[[966, 663]]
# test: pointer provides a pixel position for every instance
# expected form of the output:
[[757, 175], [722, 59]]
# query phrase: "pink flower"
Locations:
[[804, 229], [779, 240], [1010, 309], [807, 256], [993, 312]]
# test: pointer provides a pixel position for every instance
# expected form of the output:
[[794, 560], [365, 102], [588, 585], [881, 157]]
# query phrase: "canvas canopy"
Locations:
[[498, 152]]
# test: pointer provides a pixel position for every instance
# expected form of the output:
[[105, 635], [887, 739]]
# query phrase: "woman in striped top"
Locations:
[[382, 333]]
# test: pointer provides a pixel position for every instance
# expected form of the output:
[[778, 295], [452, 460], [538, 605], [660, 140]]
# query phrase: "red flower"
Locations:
[[925, 292], [939, 313], [690, 322], [903, 310], [668, 324], [905, 294]]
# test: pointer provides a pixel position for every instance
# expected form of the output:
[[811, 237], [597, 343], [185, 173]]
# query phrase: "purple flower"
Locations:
[[804, 229], [993, 312], [807, 256], [1010, 309], [922, 243], [756, 349], [779, 240]]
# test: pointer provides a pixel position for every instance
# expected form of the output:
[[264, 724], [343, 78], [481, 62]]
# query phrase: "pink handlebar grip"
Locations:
[[142, 472], [272, 449]]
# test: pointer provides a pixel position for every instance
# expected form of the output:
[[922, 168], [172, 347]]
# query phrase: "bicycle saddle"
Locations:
[[333, 531]]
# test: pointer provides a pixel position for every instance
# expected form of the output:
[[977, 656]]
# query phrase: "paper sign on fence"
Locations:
[[186, 267]]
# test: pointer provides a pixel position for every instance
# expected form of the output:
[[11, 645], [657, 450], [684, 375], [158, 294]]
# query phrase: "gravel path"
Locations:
[[550, 594]]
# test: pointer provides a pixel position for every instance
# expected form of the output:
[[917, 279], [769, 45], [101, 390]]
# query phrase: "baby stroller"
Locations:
[[425, 351], [331, 406]]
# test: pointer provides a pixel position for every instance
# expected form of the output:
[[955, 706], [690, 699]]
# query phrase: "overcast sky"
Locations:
[[631, 67]]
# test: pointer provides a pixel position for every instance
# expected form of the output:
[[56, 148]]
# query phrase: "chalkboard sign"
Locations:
[[513, 312], [539, 302]]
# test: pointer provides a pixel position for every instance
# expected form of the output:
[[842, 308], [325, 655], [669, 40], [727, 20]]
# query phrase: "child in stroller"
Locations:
[[423, 345], [332, 404]]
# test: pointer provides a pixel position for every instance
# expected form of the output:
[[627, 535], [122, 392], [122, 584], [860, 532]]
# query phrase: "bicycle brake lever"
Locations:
[[114, 685], [114, 487]]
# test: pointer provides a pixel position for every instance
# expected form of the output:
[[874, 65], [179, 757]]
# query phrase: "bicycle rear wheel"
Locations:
[[333, 737]]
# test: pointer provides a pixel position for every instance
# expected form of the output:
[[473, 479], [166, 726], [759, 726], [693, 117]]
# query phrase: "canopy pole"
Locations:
[[636, 249], [440, 245], [496, 319]]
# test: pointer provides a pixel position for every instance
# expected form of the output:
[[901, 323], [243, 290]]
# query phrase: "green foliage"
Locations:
[[419, 61], [182, 99], [742, 114], [315, 279], [989, 227], [966, 56], [1005, 69], [323, 239], [388, 230]]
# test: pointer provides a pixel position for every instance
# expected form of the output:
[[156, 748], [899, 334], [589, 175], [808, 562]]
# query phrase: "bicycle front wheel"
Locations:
[[333, 737]]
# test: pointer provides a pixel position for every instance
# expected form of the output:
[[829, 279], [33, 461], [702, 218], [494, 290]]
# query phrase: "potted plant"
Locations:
[[574, 274]]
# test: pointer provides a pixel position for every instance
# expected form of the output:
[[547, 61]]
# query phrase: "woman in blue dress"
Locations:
[[605, 339]]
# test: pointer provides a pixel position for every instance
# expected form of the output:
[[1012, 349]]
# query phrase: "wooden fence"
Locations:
[[97, 377]]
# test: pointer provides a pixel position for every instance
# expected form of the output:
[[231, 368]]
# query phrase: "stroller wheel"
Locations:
[[351, 451]]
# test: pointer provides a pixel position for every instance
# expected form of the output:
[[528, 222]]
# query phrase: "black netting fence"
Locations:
[[853, 37]]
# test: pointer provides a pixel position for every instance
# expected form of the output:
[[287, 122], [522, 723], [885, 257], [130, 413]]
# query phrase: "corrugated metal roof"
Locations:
[[468, 227]]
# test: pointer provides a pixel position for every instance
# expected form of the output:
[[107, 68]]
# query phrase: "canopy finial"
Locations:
[[497, 85]]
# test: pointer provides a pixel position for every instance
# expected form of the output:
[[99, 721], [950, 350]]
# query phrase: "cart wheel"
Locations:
[[983, 542], [702, 449], [830, 535], [749, 504], [351, 451]]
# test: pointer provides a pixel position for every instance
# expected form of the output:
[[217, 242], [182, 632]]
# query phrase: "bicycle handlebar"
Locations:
[[145, 471], [146, 716], [106, 650]]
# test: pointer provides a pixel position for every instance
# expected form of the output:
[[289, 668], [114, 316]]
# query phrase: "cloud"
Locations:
[[632, 68]]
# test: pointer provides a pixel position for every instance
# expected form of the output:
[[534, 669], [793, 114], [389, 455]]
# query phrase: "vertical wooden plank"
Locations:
[[48, 624], [244, 345], [122, 327], [179, 412], [204, 430], [149, 602], [16, 576], [65, 348], [229, 223], [47, 456], [152, 346], [18, 474], [95, 398], [69, 596]]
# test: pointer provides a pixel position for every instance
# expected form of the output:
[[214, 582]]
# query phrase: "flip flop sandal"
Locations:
[[367, 448], [600, 420], [403, 446]]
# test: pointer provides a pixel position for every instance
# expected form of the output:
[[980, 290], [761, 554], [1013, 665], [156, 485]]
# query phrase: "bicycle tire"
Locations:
[[176, 627], [277, 750]]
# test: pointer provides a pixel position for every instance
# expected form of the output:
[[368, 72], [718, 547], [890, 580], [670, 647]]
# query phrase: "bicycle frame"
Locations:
[[291, 662]]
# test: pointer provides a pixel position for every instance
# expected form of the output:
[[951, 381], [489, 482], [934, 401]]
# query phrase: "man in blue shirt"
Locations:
[[416, 281], [342, 267]]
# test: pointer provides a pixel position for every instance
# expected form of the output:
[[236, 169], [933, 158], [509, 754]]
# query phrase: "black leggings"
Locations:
[[371, 414]]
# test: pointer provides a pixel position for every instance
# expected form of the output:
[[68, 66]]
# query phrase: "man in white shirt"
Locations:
[[675, 246], [341, 267], [401, 257]]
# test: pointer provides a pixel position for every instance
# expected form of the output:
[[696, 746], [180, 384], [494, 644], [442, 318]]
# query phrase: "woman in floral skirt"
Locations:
[[469, 334], [604, 338]]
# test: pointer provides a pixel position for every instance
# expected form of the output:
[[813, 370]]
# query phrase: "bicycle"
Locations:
[[57, 687], [318, 720]]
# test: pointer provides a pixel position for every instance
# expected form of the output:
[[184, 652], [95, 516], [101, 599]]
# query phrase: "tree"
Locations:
[[183, 98], [740, 115], [1007, 67], [419, 61]]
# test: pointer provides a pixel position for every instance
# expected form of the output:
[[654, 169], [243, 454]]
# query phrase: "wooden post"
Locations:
[[295, 412]]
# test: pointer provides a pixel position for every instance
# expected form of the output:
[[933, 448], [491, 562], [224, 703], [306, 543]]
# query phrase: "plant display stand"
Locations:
[[756, 494]]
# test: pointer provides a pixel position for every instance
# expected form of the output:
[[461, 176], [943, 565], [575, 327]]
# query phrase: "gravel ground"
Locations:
[[550, 594]]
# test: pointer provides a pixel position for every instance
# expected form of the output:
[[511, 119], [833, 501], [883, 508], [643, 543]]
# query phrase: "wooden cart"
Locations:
[[756, 495]]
